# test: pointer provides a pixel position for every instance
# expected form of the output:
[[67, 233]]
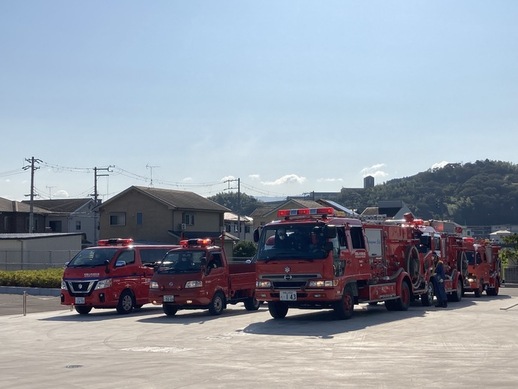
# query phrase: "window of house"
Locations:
[[117, 219], [188, 218], [139, 218], [78, 225]]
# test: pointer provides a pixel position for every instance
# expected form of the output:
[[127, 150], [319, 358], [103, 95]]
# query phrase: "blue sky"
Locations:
[[288, 96]]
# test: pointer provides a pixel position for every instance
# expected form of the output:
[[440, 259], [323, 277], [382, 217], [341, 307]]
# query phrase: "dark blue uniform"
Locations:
[[438, 283]]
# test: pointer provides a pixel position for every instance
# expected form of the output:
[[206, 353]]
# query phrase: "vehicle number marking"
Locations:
[[288, 295], [79, 300], [168, 299]]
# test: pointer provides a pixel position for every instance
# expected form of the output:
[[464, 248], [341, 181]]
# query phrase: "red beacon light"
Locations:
[[115, 242], [196, 242], [305, 212]]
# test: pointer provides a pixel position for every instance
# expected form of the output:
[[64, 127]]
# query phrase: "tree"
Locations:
[[509, 254], [238, 203], [244, 250]]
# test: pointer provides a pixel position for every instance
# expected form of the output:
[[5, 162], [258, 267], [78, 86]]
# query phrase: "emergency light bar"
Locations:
[[196, 242], [115, 242], [305, 212]]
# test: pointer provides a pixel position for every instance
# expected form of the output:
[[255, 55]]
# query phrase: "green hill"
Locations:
[[479, 193]]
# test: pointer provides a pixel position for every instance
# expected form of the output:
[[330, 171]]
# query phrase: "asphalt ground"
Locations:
[[472, 343]]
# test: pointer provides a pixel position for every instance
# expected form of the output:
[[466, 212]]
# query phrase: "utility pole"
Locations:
[[32, 166], [50, 190], [96, 195], [238, 203]]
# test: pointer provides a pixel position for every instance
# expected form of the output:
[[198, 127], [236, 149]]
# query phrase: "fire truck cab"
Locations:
[[483, 270]]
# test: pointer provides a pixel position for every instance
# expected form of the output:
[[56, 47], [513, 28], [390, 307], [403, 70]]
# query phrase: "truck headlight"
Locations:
[[263, 284], [193, 284], [63, 285], [321, 284], [102, 284], [153, 285]]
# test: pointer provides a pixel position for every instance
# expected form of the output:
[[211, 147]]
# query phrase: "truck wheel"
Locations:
[[278, 310], [403, 302], [82, 310], [252, 304], [217, 304], [126, 303], [169, 310], [345, 307], [494, 291], [427, 297], [456, 295]]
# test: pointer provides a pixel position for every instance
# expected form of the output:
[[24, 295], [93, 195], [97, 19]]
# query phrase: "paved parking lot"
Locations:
[[473, 343]]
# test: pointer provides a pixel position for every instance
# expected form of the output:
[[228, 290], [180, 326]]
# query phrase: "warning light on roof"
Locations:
[[115, 242], [305, 212], [196, 242]]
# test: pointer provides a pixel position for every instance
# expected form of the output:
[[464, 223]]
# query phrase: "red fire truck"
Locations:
[[314, 259], [197, 275], [115, 274], [484, 268]]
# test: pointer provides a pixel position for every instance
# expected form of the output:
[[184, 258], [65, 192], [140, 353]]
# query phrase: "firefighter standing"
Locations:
[[438, 281]]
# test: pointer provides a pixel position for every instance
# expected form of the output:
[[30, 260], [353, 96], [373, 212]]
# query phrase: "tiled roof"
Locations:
[[61, 205], [17, 206], [175, 199]]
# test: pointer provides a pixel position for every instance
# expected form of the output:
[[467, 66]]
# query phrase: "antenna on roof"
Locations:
[[151, 170]]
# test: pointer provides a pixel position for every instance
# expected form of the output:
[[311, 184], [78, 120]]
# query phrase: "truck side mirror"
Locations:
[[256, 235], [107, 266]]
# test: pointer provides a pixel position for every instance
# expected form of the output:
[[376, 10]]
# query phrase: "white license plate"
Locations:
[[168, 299], [79, 300], [288, 295]]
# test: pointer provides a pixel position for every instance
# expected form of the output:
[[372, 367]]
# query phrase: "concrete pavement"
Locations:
[[472, 343]]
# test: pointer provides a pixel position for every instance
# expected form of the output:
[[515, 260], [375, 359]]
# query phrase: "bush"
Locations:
[[46, 278]]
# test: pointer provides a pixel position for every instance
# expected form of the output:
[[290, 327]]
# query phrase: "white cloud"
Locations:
[[254, 176], [187, 179], [330, 180], [60, 194], [375, 171], [228, 178], [287, 179], [439, 165]]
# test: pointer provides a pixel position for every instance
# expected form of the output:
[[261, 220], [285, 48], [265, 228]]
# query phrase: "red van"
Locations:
[[114, 274]]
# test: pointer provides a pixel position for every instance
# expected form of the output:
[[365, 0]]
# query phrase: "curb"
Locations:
[[30, 290]]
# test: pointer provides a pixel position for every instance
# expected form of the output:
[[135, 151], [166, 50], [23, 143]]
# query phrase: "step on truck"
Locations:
[[198, 275], [114, 274], [316, 259]]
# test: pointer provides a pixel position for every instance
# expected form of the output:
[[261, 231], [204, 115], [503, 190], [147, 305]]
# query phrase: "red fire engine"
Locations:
[[114, 274], [314, 259], [483, 267], [197, 275]]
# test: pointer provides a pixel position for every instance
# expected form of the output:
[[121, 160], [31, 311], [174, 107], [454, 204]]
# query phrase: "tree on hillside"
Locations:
[[242, 204]]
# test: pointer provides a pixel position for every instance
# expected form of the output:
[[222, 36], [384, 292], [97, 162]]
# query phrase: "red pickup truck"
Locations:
[[198, 276]]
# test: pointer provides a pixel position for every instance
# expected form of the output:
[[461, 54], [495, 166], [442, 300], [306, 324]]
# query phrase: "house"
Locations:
[[240, 226], [153, 215], [394, 209], [70, 215], [15, 216]]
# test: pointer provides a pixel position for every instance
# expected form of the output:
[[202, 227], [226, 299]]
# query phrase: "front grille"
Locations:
[[289, 281], [81, 288]]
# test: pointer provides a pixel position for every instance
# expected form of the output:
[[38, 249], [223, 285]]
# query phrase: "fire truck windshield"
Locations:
[[292, 241], [181, 261], [93, 257]]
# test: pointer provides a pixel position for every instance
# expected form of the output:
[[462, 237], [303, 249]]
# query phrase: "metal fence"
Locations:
[[511, 274], [34, 260]]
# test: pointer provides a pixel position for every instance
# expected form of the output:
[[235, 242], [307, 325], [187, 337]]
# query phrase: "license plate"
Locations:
[[168, 299], [79, 300], [288, 295]]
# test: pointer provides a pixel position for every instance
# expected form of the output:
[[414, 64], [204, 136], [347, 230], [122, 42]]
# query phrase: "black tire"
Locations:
[[278, 309], [126, 303], [427, 297], [217, 305], [494, 291], [344, 309], [252, 304], [82, 310], [169, 310], [403, 302], [480, 289], [456, 295]]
